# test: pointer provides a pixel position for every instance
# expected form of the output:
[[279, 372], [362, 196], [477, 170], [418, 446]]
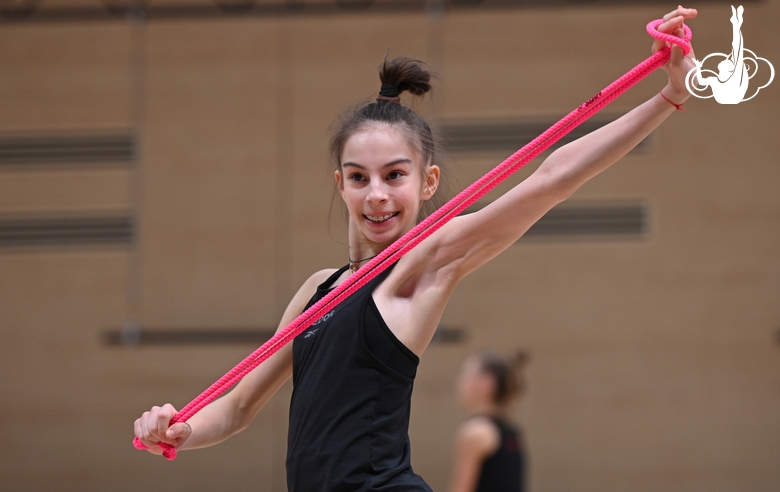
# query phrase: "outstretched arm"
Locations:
[[468, 242], [235, 411]]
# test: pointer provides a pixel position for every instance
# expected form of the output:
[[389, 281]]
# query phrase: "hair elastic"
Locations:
[[390, 93]]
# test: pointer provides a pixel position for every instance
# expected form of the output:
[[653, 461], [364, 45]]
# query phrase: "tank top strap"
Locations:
[[328, 284]]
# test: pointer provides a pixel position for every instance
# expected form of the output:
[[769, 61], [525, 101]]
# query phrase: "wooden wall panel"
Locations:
[[55, 302], [208, 169], [54, 307], [65, 77], [65, 191]]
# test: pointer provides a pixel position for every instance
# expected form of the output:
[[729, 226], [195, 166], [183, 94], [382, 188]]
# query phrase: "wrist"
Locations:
[[674, 97]]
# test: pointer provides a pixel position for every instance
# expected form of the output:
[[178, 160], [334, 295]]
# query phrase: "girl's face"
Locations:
[[383, 181], [474, 386]]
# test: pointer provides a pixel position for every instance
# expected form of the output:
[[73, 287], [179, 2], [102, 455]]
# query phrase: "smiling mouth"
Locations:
[[377, 219]]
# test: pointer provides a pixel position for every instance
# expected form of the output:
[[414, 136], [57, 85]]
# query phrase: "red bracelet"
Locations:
[[678, 106]]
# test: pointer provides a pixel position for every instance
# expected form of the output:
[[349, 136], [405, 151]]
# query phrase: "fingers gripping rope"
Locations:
[[685, 44], [430, 225]]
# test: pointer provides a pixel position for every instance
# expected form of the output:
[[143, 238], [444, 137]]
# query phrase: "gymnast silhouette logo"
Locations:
[[735, 70]]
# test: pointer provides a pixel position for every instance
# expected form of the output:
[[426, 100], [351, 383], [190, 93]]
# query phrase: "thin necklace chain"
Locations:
[[353, 264]]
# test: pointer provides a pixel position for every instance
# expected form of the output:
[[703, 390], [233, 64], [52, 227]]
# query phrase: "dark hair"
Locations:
[[398, 75], [504, 371]]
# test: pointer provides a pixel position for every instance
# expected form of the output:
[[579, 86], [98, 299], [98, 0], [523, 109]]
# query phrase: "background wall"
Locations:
[[654, 359]]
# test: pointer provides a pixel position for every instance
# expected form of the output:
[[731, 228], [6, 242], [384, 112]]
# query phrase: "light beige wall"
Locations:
[[653, 363]]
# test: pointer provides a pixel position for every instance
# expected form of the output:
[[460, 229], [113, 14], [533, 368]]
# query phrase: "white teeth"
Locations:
[[380, 218]]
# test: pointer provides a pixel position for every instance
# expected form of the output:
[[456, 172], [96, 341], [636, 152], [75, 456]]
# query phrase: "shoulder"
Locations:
[[305, 292], [309, 287], [319, 277], [480, 434]]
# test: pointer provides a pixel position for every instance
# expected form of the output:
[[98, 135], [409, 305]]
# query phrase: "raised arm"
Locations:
[[236, 410], [470, 241], [736, 39]]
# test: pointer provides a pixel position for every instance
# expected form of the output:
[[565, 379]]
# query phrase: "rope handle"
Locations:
[[428, 226], [684, 43]]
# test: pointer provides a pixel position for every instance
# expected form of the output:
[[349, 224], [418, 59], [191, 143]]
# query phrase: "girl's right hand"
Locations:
[[154, 427], [679, 64]]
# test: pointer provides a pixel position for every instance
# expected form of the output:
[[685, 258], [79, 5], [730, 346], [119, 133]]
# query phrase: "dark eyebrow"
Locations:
[[401, 160]]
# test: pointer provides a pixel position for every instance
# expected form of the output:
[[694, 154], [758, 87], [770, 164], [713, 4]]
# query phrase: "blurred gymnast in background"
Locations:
[[490, 455]]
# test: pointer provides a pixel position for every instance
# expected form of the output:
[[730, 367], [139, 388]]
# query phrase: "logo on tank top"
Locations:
[[325, 318]]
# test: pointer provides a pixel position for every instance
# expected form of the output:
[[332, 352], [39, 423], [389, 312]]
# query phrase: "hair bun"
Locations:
[[519, 359], [404, 74]]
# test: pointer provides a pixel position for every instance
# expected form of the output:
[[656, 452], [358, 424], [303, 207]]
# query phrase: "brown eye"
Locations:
[[394, 175]]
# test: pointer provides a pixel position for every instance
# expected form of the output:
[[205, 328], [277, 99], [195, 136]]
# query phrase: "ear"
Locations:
[[339, 182], [431, 184]]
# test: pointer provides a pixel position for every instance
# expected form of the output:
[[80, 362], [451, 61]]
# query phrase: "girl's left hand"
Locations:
[[679, 64]]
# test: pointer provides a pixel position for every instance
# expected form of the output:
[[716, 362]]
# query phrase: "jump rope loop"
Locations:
[[430, 225], [684, 43]]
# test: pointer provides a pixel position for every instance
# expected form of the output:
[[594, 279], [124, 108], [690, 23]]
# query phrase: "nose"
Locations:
[[376, 192]]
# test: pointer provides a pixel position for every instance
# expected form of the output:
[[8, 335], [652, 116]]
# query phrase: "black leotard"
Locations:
[[349, 413], [504, 471]]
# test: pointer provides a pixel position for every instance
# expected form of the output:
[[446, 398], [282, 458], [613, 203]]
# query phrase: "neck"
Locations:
[[361, 250], [355, 264], [487, 408]]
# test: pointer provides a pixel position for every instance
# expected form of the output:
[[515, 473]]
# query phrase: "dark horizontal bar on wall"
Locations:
[[135, 336], [482, 136], [588, 220], [450, 334], [24, 149], [66, 231], [19, 11], [186, 336], [591, 220]]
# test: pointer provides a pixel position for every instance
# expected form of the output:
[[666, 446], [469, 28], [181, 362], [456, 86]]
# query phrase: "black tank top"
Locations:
[[349, 413], [504, 471]]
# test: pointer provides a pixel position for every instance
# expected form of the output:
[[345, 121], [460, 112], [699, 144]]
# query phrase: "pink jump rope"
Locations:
[[428, 226]]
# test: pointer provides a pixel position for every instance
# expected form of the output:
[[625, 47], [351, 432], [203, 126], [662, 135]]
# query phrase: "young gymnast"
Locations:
[[490, 454], [353, 370]]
